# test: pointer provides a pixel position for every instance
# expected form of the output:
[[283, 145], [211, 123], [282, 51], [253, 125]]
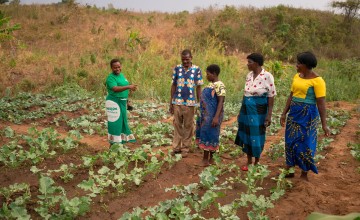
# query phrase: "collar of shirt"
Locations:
[[190, 68], [260, 74]]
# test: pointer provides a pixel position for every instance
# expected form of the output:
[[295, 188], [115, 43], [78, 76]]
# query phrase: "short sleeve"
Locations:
[[320, 88], [174, 77], [292, 84], [111, 82], [220, 88], [198, 77], [271, 86]]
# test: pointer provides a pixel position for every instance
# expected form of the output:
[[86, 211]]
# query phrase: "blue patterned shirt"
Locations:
[[186, 82]]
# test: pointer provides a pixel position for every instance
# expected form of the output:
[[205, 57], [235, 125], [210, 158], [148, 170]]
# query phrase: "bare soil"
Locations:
[[335, 190]]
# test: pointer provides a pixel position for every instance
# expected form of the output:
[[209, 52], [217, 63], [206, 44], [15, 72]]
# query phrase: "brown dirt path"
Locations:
[[150, 192], [94, 141], [336, 189]]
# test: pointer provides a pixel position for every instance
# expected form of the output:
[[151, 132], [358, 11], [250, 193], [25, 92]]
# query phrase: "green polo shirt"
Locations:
[[117, 80]]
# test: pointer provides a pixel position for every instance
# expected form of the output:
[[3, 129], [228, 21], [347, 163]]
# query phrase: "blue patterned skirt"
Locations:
[[301, 135], [207, 137], [251, 132]]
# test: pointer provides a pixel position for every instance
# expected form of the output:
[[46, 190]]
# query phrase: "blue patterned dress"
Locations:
[[301, 135], [302, 122], [207, 137]]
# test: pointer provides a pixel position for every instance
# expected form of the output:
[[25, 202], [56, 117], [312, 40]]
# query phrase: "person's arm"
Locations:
[[242, 103], [198, 83], [123, 88], [270, 83], [112, 84], [320, 102], [270, 109], [198, 93], [172, 92], [220, 106], [286, 109]]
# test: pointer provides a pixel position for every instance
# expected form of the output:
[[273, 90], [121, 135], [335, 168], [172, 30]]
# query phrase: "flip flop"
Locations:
[[244, 168]]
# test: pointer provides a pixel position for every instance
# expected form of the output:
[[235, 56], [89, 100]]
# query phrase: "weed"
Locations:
[[82, 73], [26, 85], [93, 58]]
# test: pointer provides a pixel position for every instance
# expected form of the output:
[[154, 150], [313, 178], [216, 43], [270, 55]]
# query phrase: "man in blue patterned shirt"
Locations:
[[186, 77]]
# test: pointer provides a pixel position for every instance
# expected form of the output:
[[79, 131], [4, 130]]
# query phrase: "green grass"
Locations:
[[151, 70], [342, 79], [148, 60]]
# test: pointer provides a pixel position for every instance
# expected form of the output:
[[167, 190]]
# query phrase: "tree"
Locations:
[[15, 2], [69, 2], [350, 9], [3, 1]]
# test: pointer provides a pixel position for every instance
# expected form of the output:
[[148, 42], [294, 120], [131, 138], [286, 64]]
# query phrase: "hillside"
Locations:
[[71, 43], [57, 40]]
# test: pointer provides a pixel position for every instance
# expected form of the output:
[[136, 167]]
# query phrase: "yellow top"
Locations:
[[307, 90], [219, 88]]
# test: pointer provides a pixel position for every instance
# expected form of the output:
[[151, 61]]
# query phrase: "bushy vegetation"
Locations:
[[281, 32], [77, 49], [6, 29]]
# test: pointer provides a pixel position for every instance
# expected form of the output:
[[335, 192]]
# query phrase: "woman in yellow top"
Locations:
[[208, 123], [306, 101]]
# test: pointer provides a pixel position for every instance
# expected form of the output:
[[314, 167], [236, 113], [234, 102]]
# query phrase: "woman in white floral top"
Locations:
[[256, 109]]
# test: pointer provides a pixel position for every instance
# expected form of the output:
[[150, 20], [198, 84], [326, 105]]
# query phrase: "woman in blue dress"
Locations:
[[211, 114], [304, 108]]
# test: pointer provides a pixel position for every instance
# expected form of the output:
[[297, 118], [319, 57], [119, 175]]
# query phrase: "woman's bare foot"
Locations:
[[211, 161], [304, 176], [205, 163]]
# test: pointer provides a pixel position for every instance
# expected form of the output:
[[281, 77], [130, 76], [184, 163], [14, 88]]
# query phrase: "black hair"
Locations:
[[213, 68], [186, 52], [308, 59], [257, 58], [114, 61]]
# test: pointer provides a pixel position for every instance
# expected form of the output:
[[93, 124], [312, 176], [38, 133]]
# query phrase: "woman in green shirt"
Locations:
[[116, 105]]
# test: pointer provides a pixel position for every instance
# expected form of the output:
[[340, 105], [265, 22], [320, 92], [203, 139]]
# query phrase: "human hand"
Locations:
[[133, 87], [282, 120], [171, 108], [197, 111], [267, 122], [215, 122], [326, 131]]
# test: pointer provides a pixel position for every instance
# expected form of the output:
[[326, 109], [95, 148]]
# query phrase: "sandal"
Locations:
[[244, 168]]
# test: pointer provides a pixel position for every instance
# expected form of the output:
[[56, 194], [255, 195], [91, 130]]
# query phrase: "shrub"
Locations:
[[82, 73], [26, 85]]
